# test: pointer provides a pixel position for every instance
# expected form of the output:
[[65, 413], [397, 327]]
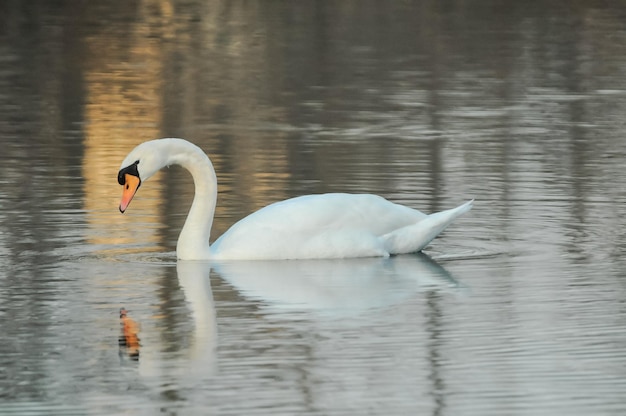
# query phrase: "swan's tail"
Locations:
[[416, 236]]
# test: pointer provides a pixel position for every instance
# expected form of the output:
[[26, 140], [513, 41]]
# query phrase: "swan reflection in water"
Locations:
[[335, 288]]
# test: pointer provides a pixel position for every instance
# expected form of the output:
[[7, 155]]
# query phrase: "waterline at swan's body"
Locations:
[[334, 225]]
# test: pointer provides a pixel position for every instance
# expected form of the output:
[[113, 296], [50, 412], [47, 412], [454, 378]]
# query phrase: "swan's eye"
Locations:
[[132, 169]]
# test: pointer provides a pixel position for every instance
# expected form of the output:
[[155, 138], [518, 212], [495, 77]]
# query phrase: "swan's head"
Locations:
[[140, 164]]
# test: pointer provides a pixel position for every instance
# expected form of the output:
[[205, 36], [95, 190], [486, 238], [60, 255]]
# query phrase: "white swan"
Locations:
[[306, 227]]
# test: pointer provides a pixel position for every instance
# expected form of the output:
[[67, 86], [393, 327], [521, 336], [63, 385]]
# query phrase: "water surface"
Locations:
[[518, 308]]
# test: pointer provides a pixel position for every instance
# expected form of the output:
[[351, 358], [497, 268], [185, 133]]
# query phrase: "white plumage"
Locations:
[[336, 225]]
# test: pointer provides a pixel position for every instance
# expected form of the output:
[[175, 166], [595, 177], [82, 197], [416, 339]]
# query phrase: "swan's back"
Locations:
[[316, 226]]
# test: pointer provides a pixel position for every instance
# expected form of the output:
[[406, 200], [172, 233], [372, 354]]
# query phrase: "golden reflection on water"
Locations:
[[128, 90], [122, 109]]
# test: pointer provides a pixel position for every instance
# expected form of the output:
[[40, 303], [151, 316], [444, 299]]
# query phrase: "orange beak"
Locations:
[[131, 184]]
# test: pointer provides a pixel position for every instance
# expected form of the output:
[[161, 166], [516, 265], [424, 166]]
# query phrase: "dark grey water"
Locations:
[[518, 308]]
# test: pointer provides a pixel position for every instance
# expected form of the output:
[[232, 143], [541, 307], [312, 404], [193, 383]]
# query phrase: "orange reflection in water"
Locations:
[[129, 336]]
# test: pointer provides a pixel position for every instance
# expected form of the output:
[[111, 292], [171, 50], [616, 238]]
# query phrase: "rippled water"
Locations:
[[518, 308]]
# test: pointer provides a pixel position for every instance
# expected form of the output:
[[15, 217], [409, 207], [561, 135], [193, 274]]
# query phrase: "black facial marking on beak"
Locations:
[[130, 169]]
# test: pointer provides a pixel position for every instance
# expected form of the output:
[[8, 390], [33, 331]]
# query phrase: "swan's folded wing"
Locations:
[[316, 226]]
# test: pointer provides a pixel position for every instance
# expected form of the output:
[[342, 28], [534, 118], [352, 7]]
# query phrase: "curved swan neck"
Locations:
[[193, 242]]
